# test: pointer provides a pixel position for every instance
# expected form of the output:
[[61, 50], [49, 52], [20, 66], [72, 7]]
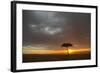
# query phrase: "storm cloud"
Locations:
[[54, 28]]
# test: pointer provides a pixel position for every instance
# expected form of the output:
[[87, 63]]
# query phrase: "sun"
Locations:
[[70, 51]]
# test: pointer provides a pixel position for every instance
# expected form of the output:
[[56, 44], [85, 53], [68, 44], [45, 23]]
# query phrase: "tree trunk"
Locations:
[[68, 51]]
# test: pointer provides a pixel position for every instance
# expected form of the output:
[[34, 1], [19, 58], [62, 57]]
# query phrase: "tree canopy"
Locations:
[[66, 45]]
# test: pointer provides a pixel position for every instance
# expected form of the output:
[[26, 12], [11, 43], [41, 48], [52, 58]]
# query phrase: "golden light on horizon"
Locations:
[[71, 51], [56, 51], [77, 51]]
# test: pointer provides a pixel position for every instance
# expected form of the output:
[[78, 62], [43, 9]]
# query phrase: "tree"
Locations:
[[67, 45]]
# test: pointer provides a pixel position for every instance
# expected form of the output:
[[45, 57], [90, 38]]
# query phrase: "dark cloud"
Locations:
[[55, 28]]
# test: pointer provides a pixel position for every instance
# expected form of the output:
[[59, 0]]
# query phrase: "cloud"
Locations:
[[55, 28]]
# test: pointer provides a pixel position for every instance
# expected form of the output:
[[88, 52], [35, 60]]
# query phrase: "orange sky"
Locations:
[[56, 51]]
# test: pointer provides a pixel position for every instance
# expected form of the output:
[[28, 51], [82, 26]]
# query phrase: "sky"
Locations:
[[49, 29]]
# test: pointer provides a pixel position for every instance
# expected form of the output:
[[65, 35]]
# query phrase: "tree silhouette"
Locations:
[[67, 45]]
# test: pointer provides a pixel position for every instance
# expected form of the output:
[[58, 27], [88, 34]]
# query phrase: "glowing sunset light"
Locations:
[[57, 51], [78, 51], [71, 51]]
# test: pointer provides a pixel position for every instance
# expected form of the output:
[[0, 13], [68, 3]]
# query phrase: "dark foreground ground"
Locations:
[[41, 58]]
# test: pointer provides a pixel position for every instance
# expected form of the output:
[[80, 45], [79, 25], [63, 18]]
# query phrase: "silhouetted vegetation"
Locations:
[[67, 45]]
